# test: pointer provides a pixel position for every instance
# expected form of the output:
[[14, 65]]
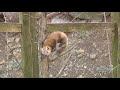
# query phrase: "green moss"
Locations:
[[10, 27], [29, 48]]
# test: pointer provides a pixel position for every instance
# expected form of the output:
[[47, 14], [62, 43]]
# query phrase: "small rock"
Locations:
[[64, 74], [94, 44], [80, 76], [66, 69], [10, 39], [16, 52], [85, 67], [95, 74], [80, 56], [81, 50], [50, 75], [2, 62], [17, 40], [97, 49], [106, 54], [93, 55], [104, 77], [13, 64], [70, 65]]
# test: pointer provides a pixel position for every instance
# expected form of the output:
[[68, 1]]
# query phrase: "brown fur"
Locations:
[[55, 41]]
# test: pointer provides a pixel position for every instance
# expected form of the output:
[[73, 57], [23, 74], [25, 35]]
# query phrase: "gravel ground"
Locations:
[[89, 55]]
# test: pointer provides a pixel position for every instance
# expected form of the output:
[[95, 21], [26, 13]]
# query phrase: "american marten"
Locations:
[[56, 41]]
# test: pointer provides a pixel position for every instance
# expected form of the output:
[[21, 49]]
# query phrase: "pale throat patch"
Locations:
[[46, 51]]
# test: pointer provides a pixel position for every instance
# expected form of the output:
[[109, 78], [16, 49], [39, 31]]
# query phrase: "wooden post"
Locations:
[[44, 60], [116, 44], [29, 46], [115, 50], [34, 42], [20, 18]]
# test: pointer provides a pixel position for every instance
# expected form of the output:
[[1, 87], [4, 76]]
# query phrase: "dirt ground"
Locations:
[[10, 55], [88, 56]]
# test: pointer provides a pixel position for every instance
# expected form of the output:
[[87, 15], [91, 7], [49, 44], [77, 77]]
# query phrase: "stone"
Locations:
[[80, 76], [93, 56], [17, 54], [106, 54], [81, 50], [64, 74], [94, 45], [80, 56], [85, 67], [17, 40], [50, 75], [10, 39], [2, 62]]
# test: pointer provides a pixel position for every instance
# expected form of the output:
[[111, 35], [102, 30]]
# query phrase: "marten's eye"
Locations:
[[47, 48]]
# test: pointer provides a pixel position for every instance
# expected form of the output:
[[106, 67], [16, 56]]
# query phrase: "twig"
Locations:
[[63, 66]]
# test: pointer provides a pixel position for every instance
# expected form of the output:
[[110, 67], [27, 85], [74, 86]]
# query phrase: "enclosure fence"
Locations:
[[29, 30]]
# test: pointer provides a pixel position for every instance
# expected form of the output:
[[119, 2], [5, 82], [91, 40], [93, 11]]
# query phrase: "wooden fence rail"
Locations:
[[66, 27]]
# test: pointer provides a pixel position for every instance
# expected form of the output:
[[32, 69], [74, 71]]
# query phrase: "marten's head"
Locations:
[[46, 50]]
